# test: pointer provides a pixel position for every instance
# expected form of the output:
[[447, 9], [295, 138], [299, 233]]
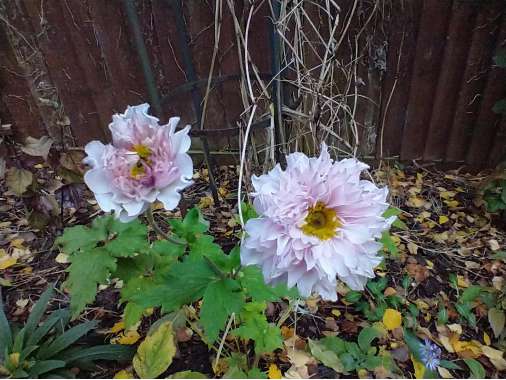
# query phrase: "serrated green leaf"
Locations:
[[248, 212], [156, 352], [254, 325], [353, 296], [192, 225], [87, 270], [252, 281], [366, 337], [80, 238], [127, 238], [477, 370], [221, 299]]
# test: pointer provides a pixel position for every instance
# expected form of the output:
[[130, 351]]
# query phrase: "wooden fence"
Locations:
[[67, 65]]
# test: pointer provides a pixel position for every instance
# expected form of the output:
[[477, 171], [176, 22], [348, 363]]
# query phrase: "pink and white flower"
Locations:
[[317, 221], [145, 162]]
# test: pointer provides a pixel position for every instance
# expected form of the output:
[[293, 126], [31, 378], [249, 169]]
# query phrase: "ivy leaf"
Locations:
[[252, 280], [156, 352], [221, 299], [267, 336], [87, 270], [192, 224], [130, 238]]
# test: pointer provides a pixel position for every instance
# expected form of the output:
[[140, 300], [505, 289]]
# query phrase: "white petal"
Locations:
[[185, 164], [106, 203], [181, 140], [94, 150], [98, 181], [170, 197], [134, 208]]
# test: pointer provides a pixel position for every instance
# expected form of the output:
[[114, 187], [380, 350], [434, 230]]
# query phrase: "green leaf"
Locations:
[[496, 319], [327, 357], [353, 296], [37, 312], [389, 244], [221, 299], [252, 281], [394, 211], [470, 294], [87, 270], [128, 238], [477, 370], [377, 287], [349, 362], [132, 314], [192, 224], [500, 107], [442, 316], [248, 212], [100, 352], [500, 58], [255, 373], [366, 336], [167, 249], [80, 238], [499, 255], [204, 246], [413, 344], [372, 361], [45, 366], [5, 331], [188, 375], [449, 365], [156, 352], [63, 341], [267, 336], [57, 317], [465, 310], [333, 343]]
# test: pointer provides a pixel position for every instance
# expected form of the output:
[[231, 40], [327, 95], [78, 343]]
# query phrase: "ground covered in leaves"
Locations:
[[442, 277]]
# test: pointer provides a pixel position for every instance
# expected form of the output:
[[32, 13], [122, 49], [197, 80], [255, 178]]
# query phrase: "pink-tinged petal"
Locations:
[[134, 208], [98, 181], [95, 152], [170, 197], [283, 199], [106, 203]]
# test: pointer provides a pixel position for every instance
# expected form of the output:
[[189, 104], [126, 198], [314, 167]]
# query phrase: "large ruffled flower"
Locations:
[[317, 221], [145, 162]]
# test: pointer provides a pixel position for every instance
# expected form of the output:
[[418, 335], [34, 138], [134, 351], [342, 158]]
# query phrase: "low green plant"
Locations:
[[494, 195], [345, 357], [169, 274], [48, 349]]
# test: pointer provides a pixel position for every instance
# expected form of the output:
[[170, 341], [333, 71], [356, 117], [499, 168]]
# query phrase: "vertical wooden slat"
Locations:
[[429, 53], [450, 79], [16, 94], [477, 65], [65, 70], [403, 29], [488, 121]]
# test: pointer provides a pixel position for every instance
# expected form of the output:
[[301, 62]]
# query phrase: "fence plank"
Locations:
[[478, 62], [429, 53], [450, 79]]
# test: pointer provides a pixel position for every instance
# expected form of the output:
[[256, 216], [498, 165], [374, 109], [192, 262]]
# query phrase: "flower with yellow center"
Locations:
[[137, 171], [142, 151], [321, 221]]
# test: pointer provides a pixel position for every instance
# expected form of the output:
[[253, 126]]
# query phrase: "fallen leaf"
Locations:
[[274, 372], [494, 245], [444, 373], [412, 248], [496, 319], [486, 339], [123, 374], [392, 319], [18, 180], [496, 357], [38, 147], [128, 337], [419, 368], [443, 219]]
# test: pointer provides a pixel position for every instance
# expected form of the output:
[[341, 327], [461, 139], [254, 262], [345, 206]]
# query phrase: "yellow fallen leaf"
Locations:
[[452, 203], [422, 305], [123, 374], [392, 319], [456, 328], [127, 337], [447, 194], [412, 248], [443, 219], [416, 202], [362, 373], [496, 357], [336, 312], [486, 339], [7, 261], [206, 202], [444, 373], [445, 341], [462, 282], [117, 327], [274, 372], [17, 243], [466, 349], [419, 368]]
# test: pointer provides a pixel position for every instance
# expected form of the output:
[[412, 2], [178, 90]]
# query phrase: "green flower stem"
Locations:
[[158, 230]]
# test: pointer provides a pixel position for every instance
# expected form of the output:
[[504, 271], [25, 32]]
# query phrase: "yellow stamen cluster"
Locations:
[[321, 221], [142, 151], [137, 171]]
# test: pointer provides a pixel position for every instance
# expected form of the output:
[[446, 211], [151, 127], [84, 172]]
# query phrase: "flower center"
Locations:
[[321, 221], [137, 170], [142, 151]]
